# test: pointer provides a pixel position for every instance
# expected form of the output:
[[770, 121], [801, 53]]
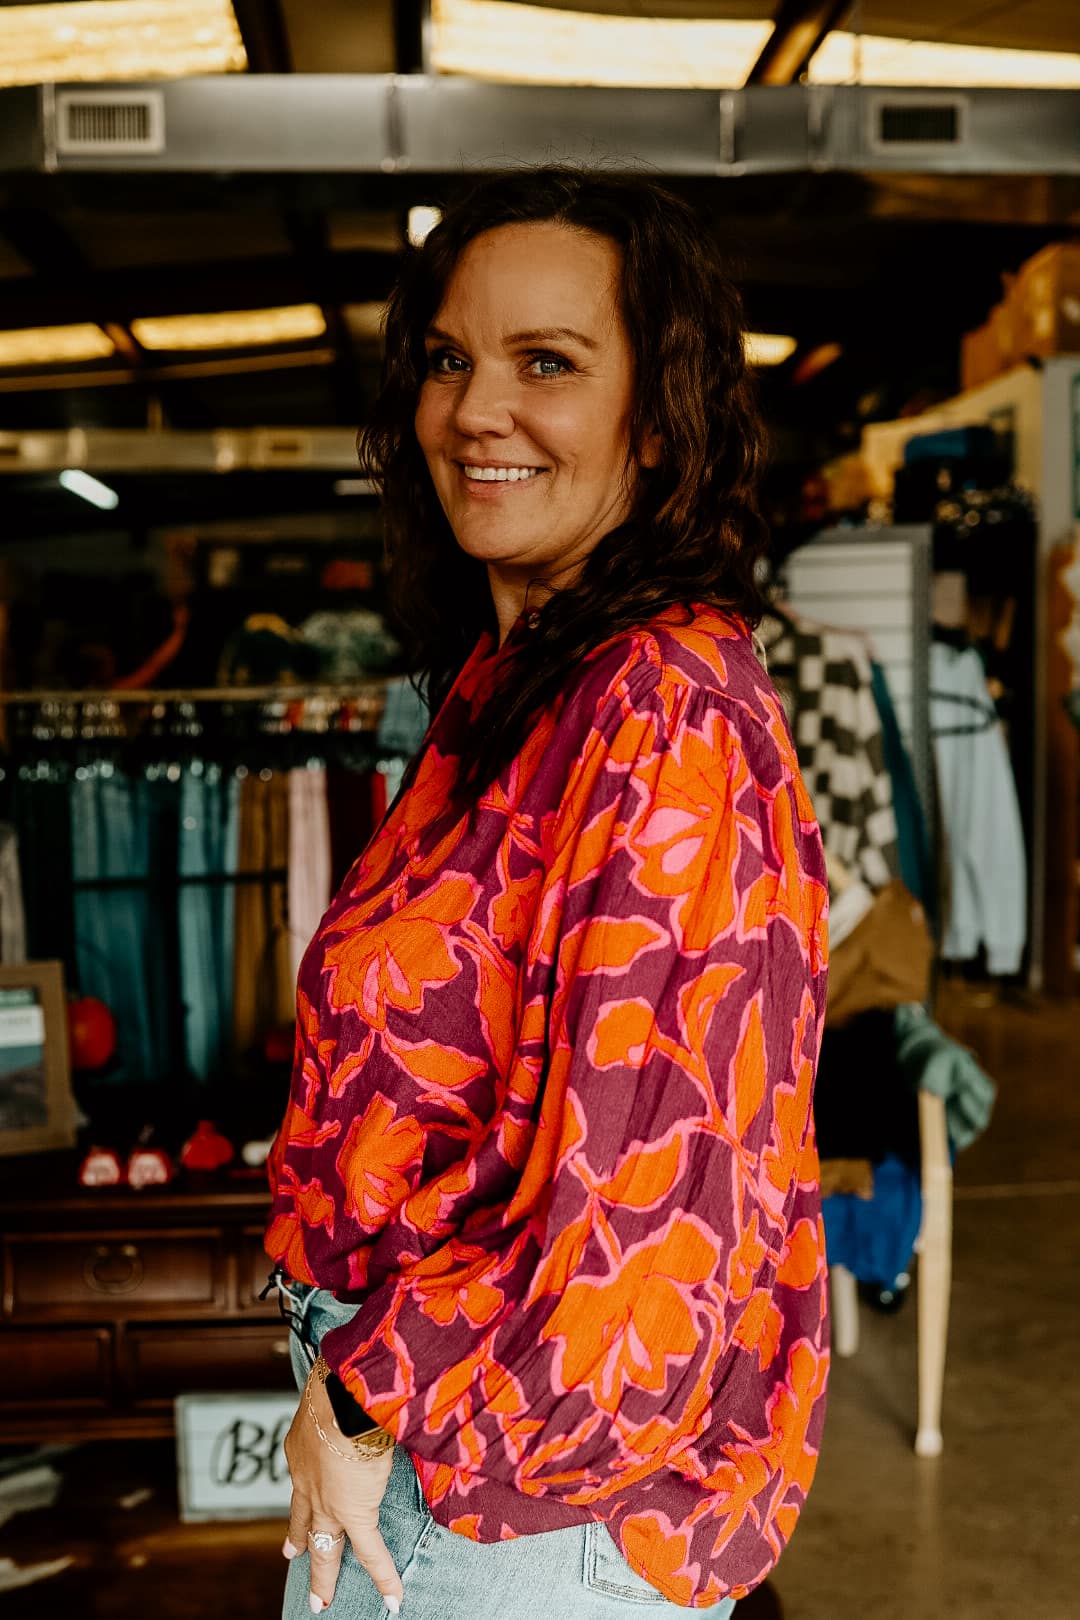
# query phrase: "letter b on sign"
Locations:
[[231, 1456]]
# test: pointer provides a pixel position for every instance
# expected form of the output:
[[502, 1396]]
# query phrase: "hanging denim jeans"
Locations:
[[209, 836], [114, 831], [575, 1574]]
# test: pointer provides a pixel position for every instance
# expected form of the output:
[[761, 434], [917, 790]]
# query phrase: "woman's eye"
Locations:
[[445, 363], [548, 365]]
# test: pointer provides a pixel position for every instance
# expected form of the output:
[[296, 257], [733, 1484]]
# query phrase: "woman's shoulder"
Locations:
[[683, 660]]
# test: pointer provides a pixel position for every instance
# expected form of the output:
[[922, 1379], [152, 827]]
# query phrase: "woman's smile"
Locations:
[[498, 474]]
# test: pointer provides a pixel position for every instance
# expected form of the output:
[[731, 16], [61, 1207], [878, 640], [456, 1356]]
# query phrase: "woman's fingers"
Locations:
[[299, 1525], [371, 1551], [325, 1565]]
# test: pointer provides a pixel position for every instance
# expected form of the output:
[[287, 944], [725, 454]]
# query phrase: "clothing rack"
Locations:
[[284, 726], [374, 686], [877, 583]]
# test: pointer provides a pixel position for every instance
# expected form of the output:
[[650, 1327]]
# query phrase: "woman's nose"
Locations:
[[483, 404]]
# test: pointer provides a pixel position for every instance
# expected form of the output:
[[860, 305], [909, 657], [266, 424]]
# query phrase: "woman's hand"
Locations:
[[339, 1495]]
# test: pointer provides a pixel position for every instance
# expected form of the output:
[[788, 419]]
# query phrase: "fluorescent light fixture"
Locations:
[[118, 39], [231, 329], [54, 345], [767, 348], [422, 221], [846, 58], [522, 44], [90, 489]]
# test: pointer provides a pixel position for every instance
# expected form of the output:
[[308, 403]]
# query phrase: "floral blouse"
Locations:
[[550, 1118]]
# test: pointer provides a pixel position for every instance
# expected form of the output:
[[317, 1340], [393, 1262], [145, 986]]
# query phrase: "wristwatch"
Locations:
[[349, 1415]]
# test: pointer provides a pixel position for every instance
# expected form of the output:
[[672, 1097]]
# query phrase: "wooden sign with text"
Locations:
[[231, 1457]]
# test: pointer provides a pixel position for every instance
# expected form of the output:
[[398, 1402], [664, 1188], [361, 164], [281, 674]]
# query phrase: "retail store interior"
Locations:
[[205, 711]]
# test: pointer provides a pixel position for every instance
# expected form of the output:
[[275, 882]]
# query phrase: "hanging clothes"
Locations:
[[309, 859], [824, 677], [404, 719], [122, 861], [984, 837], [351, 808], [402, 727], [913, 837], [208, 840], [41, 814], [12, 914], [263, 984]]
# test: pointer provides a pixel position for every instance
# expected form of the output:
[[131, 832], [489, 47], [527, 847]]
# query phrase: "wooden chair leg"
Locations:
[[844, 1299], [935, 1270]]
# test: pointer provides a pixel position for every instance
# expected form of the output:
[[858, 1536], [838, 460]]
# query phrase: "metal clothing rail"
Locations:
[[372, 687]]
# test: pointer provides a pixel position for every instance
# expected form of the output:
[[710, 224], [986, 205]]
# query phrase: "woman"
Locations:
[[546, 1195]]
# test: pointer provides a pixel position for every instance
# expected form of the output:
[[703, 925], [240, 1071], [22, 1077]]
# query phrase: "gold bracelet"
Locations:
[[372, 1443]]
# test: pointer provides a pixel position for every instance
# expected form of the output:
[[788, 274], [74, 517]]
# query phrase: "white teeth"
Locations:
[[499, 475]]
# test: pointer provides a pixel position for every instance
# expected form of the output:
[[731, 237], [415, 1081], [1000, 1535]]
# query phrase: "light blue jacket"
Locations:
[[986, 862]]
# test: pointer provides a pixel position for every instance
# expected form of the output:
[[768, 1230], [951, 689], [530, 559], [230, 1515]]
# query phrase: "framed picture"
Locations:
[[37, 1109]]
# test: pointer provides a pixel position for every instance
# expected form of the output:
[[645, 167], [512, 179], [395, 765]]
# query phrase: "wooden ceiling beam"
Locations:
[[799, 27], [73, 292], [266, 39]]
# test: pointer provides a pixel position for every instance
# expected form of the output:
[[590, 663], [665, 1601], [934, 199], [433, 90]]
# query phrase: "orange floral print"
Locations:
[[550, 1121]]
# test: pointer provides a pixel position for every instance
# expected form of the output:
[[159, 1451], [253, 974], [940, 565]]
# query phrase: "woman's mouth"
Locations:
[[499, 474]]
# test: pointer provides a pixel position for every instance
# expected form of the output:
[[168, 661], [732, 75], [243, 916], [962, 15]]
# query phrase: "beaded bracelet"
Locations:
[[372, 1443]]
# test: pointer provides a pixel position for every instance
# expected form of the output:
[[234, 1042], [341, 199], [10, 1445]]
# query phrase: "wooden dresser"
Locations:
[[115, 1302]]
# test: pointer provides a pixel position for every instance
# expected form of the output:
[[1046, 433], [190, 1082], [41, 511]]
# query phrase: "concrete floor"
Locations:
[[990, 1530]]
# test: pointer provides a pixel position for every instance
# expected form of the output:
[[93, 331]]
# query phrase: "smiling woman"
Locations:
[[660, 387], [546, 1203], [526, 434]]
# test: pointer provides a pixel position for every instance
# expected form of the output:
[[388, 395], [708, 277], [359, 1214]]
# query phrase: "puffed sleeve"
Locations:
[[656, 1128]]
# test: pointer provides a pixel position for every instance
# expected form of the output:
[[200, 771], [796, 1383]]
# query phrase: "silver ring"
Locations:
[[323, 1541]]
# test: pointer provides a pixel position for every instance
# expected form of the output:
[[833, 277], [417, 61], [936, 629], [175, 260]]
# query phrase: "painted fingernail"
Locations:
[[316, 1603], [288, 1549], [393, 1604]]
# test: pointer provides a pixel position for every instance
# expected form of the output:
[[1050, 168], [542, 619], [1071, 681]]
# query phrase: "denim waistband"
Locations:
[[310, 1312]]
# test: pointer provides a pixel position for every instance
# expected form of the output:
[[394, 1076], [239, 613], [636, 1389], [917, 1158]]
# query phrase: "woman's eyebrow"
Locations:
[[553, 334], [539, 334]]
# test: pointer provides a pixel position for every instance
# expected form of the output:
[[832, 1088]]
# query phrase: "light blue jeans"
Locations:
[[575, 1574]]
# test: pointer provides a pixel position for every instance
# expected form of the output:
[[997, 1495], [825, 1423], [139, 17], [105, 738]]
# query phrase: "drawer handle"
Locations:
[[114, 1269], [280, 1348]]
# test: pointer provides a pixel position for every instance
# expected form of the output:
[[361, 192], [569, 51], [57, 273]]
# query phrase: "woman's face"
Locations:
[[524, 415]]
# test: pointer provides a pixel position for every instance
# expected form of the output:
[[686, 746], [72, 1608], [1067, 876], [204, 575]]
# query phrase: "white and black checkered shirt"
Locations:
[[823, 677]]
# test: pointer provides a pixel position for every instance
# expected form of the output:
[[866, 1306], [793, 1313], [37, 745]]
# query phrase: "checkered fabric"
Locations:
[[823, 677]]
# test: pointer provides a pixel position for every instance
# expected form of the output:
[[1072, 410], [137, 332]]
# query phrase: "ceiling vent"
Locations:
[[919, 123], [103, 123]]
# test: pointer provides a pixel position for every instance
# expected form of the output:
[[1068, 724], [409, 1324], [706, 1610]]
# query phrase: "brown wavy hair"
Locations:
[[695, 532]]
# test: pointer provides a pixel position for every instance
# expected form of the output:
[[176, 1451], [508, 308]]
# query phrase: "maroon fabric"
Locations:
[[550, 1123]]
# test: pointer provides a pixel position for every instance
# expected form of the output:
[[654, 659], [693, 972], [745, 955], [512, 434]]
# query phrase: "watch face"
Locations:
[[351, 1418]]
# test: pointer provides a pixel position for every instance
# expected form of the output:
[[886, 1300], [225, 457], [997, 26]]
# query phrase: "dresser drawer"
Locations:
[[255, 1269], [58, 1365], [114, 1273], [164, 1362]]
